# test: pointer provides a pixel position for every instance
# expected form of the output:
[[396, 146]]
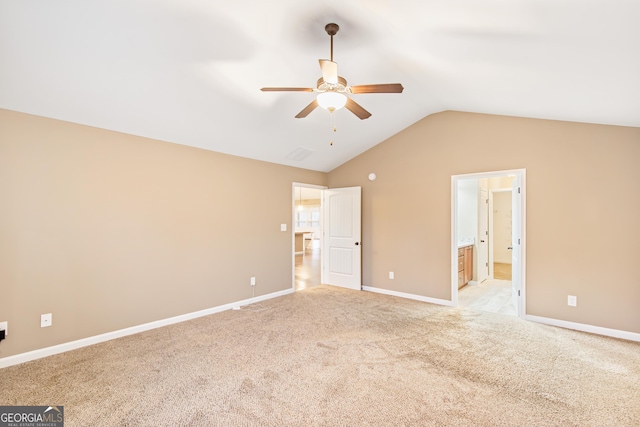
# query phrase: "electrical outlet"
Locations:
[[4, 326], [46, 320], [572, 300], [391, 275], [253, 281]]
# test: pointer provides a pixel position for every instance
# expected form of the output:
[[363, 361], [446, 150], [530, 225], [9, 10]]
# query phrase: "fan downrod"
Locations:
[[332, 30]]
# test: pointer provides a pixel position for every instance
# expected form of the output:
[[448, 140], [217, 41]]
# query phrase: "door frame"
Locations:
[[454, 231], [293, 226], [486, 207]]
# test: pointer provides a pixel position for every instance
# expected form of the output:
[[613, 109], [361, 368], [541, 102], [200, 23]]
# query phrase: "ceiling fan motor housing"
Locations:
[[341, 86]]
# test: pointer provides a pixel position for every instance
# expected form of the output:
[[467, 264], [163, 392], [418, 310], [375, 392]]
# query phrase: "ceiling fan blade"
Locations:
[[329, 71], [306, 110], [357, 109], [381, 88], [286, 89]]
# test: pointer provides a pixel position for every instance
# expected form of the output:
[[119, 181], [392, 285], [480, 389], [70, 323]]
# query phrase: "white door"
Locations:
[[341, 254], [516, 235], [483, 236]]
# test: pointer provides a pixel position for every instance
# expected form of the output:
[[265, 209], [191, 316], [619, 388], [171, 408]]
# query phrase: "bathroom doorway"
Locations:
[[488, 238]]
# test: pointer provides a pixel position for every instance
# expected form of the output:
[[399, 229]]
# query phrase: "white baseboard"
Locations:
[[615, 333], [84, 342], [408, 296]]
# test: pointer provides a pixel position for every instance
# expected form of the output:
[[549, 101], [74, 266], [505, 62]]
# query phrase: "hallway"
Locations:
[[307, 267], [501, 271]]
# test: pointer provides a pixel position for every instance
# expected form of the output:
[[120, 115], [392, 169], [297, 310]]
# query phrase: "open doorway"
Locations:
[[307, 247], [488, 241]]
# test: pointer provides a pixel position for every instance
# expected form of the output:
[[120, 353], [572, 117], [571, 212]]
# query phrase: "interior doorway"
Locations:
[[491, 231], [307, 236]]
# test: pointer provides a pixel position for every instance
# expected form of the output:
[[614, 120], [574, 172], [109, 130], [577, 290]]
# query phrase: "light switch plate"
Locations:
[[572, 300], [283, 227]]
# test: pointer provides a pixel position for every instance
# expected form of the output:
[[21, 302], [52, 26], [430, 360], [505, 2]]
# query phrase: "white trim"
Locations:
[[523, 245], [615, 333], [454, 240], [409, 296], [490, 236], [85, 342]]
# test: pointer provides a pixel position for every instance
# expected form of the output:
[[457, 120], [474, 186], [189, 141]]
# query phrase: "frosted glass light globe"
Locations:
[[332, 100]]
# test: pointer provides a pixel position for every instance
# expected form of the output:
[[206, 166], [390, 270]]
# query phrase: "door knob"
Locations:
[[357, 243], [481, 241], [510, 247]]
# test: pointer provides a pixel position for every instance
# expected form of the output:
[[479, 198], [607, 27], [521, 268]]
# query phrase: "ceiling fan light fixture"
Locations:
[[332, 101], [331, 88]]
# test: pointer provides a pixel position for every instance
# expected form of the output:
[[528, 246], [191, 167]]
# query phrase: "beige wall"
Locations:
[[583, 200], [108, 231]]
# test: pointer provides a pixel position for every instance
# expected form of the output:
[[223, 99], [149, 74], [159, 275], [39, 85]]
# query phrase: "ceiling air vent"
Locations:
[[299, 154]]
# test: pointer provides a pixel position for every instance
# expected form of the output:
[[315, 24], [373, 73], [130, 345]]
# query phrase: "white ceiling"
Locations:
[[189, 71]]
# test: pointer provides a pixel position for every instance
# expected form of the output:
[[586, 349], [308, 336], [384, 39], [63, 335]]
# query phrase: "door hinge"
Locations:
[[518, 241], [518, 292], [486, 264], [518, 190]]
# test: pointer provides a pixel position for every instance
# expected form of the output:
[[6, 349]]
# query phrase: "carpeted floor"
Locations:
[[333, 357]]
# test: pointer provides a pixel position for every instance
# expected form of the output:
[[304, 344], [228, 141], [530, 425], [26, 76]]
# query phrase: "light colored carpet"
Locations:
[[334, 357]]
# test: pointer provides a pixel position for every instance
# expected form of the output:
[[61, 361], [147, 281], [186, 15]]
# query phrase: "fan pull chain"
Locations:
[[333, 124]]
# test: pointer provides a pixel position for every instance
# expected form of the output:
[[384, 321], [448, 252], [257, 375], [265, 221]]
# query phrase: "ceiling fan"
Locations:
[[332, 89]]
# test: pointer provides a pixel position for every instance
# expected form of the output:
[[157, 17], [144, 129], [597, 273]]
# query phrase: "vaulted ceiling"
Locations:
[[190, 71]]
